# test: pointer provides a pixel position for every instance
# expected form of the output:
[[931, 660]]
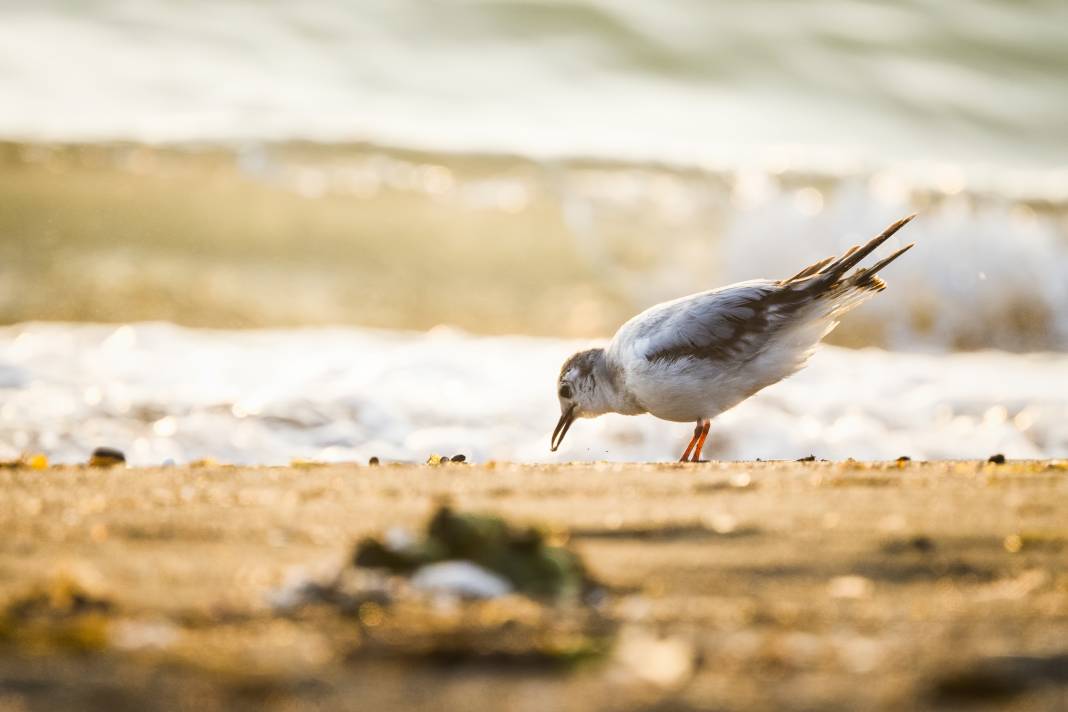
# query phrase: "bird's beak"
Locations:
[[561, 427]]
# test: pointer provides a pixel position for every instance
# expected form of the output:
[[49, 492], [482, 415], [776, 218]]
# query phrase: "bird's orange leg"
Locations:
[[701, 441], [697, 429]]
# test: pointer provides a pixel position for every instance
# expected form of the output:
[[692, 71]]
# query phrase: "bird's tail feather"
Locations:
[[868, 277], [829, 274], [855, 254]]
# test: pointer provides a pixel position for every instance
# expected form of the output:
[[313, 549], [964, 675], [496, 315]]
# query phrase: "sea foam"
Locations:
[[165, 393]]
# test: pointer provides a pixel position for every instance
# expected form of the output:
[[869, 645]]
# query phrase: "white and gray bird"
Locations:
[[690, 359]]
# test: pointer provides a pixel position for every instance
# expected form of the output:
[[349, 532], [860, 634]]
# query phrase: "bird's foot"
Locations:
[[697, 442]]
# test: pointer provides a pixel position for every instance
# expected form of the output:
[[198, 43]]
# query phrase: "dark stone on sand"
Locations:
[[916, 544], [373, 461], [1001, 678], [922, 543], [997, 459], [904, 458], [809, 458], [107, 457], [977, 685], [459, 458]]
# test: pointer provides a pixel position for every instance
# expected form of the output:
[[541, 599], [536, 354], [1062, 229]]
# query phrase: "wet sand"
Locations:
[[726, 587]]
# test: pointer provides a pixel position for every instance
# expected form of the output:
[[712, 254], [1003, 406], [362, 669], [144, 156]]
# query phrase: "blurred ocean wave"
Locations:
[[161, 392], [688, 81], [531, 166], [291, 234]]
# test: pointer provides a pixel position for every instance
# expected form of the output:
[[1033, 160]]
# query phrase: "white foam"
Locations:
[[977, 276], [986, 270], [268, 397]]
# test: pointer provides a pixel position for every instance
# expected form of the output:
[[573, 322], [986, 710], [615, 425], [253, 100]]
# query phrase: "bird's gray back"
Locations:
[[720, 324]]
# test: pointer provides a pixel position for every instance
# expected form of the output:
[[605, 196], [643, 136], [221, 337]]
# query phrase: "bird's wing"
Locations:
[[733, 325], [729, 325]]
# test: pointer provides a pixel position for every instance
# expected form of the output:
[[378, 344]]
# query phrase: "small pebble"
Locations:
[[106, 457], [1013, 543], [810, 458], [373, 461], [851, 587], [667, 662], [997, 459], [922, 543], [904, 458], [459, 458]]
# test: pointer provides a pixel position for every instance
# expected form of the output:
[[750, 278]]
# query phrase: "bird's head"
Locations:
[[583, 390]]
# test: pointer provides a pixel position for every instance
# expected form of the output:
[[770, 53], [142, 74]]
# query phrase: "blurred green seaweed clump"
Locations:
[[520, 555]]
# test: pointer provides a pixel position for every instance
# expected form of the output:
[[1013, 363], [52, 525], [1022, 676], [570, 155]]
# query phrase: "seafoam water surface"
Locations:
[[160, 393]]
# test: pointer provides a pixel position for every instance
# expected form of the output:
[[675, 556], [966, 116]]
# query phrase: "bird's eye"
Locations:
[[565, 390]]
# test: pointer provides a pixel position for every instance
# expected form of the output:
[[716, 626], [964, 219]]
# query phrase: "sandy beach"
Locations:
[[897, 585]]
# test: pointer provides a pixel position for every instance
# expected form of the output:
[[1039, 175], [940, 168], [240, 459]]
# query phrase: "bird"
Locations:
[[692, 358]]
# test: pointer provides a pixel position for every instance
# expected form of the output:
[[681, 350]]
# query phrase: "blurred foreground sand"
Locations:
[[729, 586]]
